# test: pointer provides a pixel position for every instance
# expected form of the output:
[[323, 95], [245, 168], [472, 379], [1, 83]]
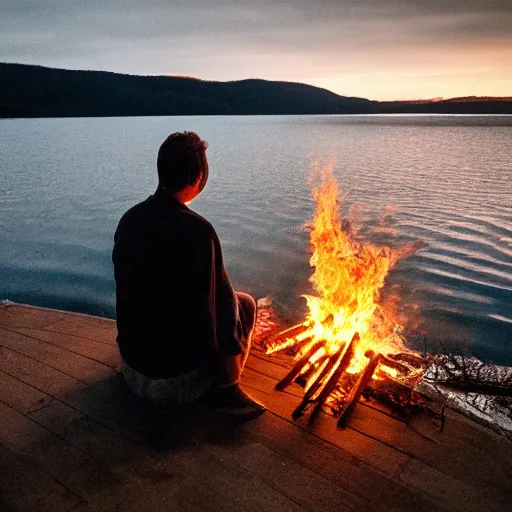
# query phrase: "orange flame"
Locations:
[[348, 278]]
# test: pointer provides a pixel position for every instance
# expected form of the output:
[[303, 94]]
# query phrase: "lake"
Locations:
[[445, 180]]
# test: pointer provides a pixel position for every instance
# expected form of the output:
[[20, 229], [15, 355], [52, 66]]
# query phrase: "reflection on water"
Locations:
[[446, 180]]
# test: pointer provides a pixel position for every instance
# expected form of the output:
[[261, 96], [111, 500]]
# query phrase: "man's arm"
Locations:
[[226, 305]]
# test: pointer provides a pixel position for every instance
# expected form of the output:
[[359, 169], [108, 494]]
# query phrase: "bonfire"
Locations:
[[349, 340]]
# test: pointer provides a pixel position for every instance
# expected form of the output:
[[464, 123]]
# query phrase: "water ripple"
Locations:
[[448, 177]]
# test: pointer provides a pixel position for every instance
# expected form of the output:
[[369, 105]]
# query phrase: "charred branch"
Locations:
[[317, 384], [286, 338], [362, 382], [411, 359], [342, 366], [303, 378], [396, 365], [398, 396], [299, 366], [470, 375]]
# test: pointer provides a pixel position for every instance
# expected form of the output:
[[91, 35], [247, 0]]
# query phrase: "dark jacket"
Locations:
[[176, 309]]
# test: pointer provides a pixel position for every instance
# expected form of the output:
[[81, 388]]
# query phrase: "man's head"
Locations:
[[182, 163]]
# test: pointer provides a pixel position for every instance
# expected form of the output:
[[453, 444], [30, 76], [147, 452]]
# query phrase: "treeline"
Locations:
[[36, 91]]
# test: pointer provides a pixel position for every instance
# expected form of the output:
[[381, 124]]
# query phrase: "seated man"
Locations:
[[183, 332]]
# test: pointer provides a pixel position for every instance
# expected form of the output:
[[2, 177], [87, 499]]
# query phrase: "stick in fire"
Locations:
[[362, 382], [335, 377]]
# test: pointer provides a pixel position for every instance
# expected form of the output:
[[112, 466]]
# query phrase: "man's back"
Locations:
[[183, 332], [171, 284]]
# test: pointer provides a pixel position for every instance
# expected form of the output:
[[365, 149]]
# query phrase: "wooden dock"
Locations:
[[72, 437]]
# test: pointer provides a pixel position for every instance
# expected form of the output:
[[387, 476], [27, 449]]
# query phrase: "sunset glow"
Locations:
[[382, 50]]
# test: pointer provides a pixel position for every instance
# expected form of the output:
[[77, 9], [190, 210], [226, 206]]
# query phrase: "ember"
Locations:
[[349, 340]]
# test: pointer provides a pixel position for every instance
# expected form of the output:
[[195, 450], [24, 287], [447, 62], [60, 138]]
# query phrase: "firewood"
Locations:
[[328, 388], [396, 365], [470, 375], [286, 338], [362, 382], [299, 365], [303, 378], [317, 384], [411, 359], [397, 395]]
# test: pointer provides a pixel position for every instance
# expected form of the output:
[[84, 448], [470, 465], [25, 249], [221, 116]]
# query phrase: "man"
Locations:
[[183, 333]]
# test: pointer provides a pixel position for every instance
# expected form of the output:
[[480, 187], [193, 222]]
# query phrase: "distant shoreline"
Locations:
[[29, 91], [383, 115]]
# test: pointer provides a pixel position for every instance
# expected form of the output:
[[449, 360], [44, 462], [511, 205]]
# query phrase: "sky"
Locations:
[[376, 49]]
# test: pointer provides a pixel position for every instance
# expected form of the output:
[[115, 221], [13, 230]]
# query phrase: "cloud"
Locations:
[[228, 39], [149, 19]]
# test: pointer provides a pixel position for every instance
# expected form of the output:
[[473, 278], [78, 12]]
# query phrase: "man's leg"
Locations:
[[230, 367], [225, 393]]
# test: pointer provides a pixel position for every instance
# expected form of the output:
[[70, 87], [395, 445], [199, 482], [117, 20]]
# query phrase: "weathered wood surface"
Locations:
[[73, 438]]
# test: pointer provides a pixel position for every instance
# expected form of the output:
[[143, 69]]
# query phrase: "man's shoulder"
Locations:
[[138, 210], [198, 222], [153, 212]]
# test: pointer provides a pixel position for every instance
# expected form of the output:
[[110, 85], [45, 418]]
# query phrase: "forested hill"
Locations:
[[35, 91]]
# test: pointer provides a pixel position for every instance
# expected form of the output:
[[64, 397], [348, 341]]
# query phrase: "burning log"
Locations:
[[335, 377], [303, 378], [339, 361], [293, 331], [396, 365], [286, 338], [362, 382], [400, 397], [300, 365], [328, 371], [411, 359], [316, 385]]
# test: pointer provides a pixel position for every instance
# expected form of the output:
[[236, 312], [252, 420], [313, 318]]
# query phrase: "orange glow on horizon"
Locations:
[[436, 72]]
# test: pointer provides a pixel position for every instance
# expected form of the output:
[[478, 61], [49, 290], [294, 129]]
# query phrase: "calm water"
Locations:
[[446, 180]]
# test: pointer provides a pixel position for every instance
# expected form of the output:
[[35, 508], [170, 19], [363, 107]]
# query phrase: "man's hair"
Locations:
[[181, 159]]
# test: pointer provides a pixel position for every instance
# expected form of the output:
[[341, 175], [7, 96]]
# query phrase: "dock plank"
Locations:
[[453, 492], [16, 315], [41, 449], [104, 406], [446, 451], [300, 484], [339, 466], [121, 456], [101, 330], [450, 457], [21, 398], [102, 352], [66, 416], [25, 489], [382, 457], [82, 368], [91, 438], [131, 469]]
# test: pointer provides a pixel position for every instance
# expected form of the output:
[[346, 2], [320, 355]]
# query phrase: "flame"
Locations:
[[348, 278]]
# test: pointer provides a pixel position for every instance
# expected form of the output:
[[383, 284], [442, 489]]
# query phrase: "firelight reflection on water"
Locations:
[[444, 180]]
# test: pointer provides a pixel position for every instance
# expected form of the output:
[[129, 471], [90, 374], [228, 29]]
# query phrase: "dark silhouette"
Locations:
[[183, 332], [36, 91]]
